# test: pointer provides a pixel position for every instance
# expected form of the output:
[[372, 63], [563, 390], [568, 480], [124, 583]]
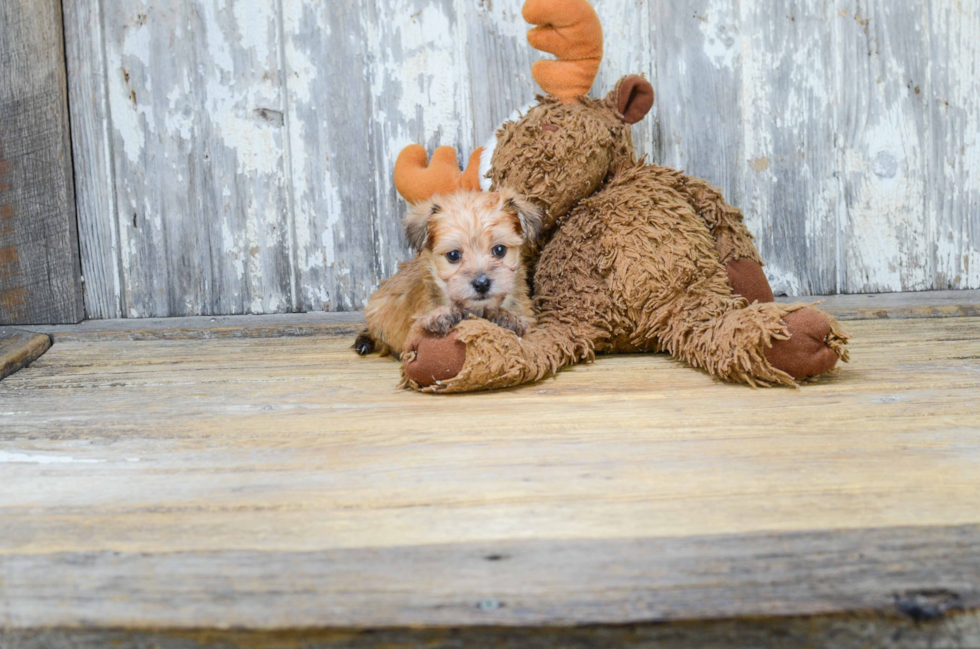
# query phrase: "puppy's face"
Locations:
[[474, 241]]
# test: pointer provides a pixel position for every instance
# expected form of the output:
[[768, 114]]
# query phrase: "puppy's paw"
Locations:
[[518, 324], [441, 321], [364, 344]]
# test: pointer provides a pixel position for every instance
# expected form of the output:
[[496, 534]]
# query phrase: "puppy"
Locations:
[[470, 263]]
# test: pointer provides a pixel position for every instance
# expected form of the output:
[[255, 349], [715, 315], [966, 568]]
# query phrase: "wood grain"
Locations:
[[213, 327], [499, 63], [697, 80], [846, 132], [954, 107], [95, 183], [896, 306], [335, 180], [19, 348], [292, 469], [886, 136], [790, 163], [195, 95], [536, 583], [40, 277]]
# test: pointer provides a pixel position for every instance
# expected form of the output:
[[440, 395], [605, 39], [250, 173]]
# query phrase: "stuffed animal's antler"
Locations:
[[417, 179], [570, 30]]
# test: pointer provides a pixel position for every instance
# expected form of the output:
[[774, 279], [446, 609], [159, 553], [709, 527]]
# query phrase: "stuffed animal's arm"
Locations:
[[479, 355]]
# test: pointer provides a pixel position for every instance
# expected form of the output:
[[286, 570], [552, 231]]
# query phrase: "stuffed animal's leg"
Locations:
[[678, 299], [817, 341], [733, 241], [761, 344]]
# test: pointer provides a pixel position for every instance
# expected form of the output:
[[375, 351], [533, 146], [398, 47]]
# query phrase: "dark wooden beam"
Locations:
[[19, 348], [898, 573], [956, 629], [40, 273]]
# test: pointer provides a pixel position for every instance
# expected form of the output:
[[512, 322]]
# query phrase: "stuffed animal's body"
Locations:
[[634, 257]]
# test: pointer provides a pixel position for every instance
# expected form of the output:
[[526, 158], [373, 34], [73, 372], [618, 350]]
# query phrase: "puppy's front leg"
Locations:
[[508, 320], [440, 321]]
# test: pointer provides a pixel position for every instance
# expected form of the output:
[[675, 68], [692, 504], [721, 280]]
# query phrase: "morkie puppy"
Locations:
[[470, 264]]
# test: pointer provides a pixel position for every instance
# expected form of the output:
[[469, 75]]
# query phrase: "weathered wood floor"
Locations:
[[283, 484]]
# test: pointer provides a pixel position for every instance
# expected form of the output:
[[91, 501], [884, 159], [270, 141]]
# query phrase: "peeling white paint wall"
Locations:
[[249, 145]]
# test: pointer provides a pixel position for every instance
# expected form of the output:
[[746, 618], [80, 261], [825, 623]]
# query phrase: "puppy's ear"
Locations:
[[416, 223], [528, 215]]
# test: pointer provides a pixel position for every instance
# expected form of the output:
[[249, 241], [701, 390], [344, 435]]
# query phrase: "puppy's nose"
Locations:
[[482, 284]]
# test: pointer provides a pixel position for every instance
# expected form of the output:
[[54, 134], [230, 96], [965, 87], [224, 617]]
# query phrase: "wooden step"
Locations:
[[274, 492]]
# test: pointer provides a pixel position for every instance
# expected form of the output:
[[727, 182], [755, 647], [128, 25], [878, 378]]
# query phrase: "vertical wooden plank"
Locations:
[[329, 109], [698, 83], [197, 117], [238, 189], [498, 63], [954, 175], [163, 248], [630, 46], [40, 276], [369, 79], [886, 239], [422, 93], [790, 161], [92, 153]]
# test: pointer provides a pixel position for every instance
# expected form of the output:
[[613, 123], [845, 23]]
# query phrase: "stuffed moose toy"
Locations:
[[632, 257]]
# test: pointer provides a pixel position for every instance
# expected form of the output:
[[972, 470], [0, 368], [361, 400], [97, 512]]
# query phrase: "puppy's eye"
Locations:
[[499, 251], [454, 256]]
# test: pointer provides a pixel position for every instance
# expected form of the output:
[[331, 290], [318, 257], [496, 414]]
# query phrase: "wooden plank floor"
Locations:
[[283, 483]]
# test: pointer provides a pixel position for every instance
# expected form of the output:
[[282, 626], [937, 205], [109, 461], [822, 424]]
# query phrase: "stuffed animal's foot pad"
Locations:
[[806, 352], [435, 359]]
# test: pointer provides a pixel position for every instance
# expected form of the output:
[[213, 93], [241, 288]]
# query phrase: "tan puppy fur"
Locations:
[[470, 264]]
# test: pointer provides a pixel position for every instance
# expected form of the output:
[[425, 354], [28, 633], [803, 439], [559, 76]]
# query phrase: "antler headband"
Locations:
[[418, 180]]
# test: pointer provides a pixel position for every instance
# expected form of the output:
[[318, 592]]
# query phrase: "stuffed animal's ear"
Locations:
[[416, 223], [632, 97], [528, 215]]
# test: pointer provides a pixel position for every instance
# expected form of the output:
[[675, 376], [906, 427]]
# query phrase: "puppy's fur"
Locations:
[[489, 232]]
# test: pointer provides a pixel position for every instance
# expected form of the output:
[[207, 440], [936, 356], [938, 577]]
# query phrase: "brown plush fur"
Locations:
[[634, 259], [432, 293]]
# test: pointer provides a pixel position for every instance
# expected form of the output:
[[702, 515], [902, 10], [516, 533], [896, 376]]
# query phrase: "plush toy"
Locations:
[[632, 257]]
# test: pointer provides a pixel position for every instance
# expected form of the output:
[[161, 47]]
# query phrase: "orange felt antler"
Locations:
[[417, 179], [570, 30]]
